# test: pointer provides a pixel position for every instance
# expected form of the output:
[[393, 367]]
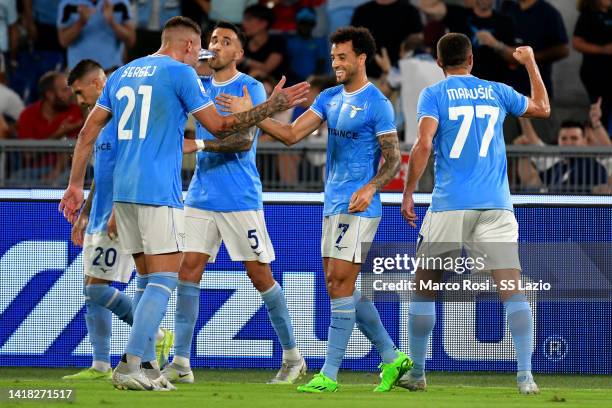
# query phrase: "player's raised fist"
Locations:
[[524, 55]]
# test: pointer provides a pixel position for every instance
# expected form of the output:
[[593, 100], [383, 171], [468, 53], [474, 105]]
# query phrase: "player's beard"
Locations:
[[348, 75], [216, 65]]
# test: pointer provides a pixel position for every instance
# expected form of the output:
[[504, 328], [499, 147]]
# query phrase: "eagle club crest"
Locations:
[[354, 110]]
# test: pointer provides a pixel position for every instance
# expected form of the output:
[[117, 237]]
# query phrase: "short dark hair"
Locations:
[[453, 49], [360, 37], [47, 82], [260, 12], [234, 28], [83, 68], [572, 123], [183, 22]]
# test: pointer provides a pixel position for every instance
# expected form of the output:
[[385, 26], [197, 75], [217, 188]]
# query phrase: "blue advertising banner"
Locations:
[[42, 307]]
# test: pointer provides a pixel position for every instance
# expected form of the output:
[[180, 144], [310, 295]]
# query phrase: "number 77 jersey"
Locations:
[[469, 148], [149, 99]]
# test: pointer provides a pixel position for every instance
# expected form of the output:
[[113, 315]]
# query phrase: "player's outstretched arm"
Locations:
[[285, 133], [419, 156], [389, 146], [280, 100], [538, 105], [73, 196]]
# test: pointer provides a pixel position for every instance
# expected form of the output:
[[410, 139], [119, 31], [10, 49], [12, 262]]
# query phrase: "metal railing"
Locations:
[[531, 169]]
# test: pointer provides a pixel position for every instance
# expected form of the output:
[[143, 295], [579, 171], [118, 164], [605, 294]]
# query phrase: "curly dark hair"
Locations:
[[360, 37]]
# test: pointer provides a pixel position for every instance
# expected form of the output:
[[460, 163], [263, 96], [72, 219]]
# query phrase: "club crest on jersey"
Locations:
[[354, 110]]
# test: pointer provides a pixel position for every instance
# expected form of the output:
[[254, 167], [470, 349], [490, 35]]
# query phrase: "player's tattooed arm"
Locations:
[[361, 199], [389, 145], [280, 100], [237, 142]]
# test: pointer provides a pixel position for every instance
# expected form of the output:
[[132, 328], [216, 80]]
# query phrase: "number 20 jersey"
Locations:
[[149, 99], [469, 149]]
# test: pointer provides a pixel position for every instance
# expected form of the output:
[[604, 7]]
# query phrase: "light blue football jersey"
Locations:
[[354, 121], [469, 148], [105, 151], [150, 98], [227, 181]]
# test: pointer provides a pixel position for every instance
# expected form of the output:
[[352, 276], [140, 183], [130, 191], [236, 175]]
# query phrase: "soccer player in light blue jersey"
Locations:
[[148, 100], [224, 203], [361, 129], [461, 119], [102, 260]]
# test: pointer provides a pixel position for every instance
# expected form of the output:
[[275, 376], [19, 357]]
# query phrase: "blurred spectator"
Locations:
[[307, 55], [96, 29], [492, 36], [568, 175], [596, 134], [197, 10], [8, 32], [11, 107], [40, 20], [285, 12], [264, 53], [391, 22], [415, 72], [151, 15], [54, 116], [340, 12], [538, 24], [229, 10], [441, 18], [593, 38]]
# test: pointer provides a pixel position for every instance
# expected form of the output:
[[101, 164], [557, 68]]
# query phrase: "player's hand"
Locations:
[[78, 230], [524, 55], [111, 226], [71, 203], [286, 98], [189, 146], [361, 199], [408, 210], [233, 103]]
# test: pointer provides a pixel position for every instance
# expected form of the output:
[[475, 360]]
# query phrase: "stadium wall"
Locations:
[[42, 310]]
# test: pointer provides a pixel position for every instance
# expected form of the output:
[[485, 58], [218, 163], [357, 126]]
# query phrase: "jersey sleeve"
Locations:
[[514, 102], [427, 106], [318, 106], [384, 118], [189, 88]]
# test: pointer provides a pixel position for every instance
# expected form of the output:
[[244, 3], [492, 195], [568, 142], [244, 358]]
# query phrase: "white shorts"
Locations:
[[149, 229], [492, 234], [244, 233], [343, 235], [102, 259]]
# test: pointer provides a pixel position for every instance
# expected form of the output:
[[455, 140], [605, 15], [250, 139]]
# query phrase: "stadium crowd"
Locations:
[[41, 39]]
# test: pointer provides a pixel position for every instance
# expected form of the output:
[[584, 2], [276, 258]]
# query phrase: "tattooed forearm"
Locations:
[[237, 142], [243, 120], [389, 145]]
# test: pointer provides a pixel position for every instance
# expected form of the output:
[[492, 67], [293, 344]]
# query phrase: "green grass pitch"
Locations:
[[247, 389]]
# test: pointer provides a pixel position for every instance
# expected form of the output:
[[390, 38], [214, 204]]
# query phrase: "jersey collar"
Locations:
[[229, 81], [357, 91]]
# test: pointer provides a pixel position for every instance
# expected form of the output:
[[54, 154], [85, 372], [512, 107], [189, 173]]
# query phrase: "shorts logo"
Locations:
[[104, 270], [340, 248], [354, 110]]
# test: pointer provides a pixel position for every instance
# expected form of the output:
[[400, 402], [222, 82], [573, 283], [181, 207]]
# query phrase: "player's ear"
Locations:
[[239, 54], [439, 62]]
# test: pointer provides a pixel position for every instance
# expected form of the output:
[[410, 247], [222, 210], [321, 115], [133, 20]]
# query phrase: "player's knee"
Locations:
[[339, 286], [192, 268], [261, 277]]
